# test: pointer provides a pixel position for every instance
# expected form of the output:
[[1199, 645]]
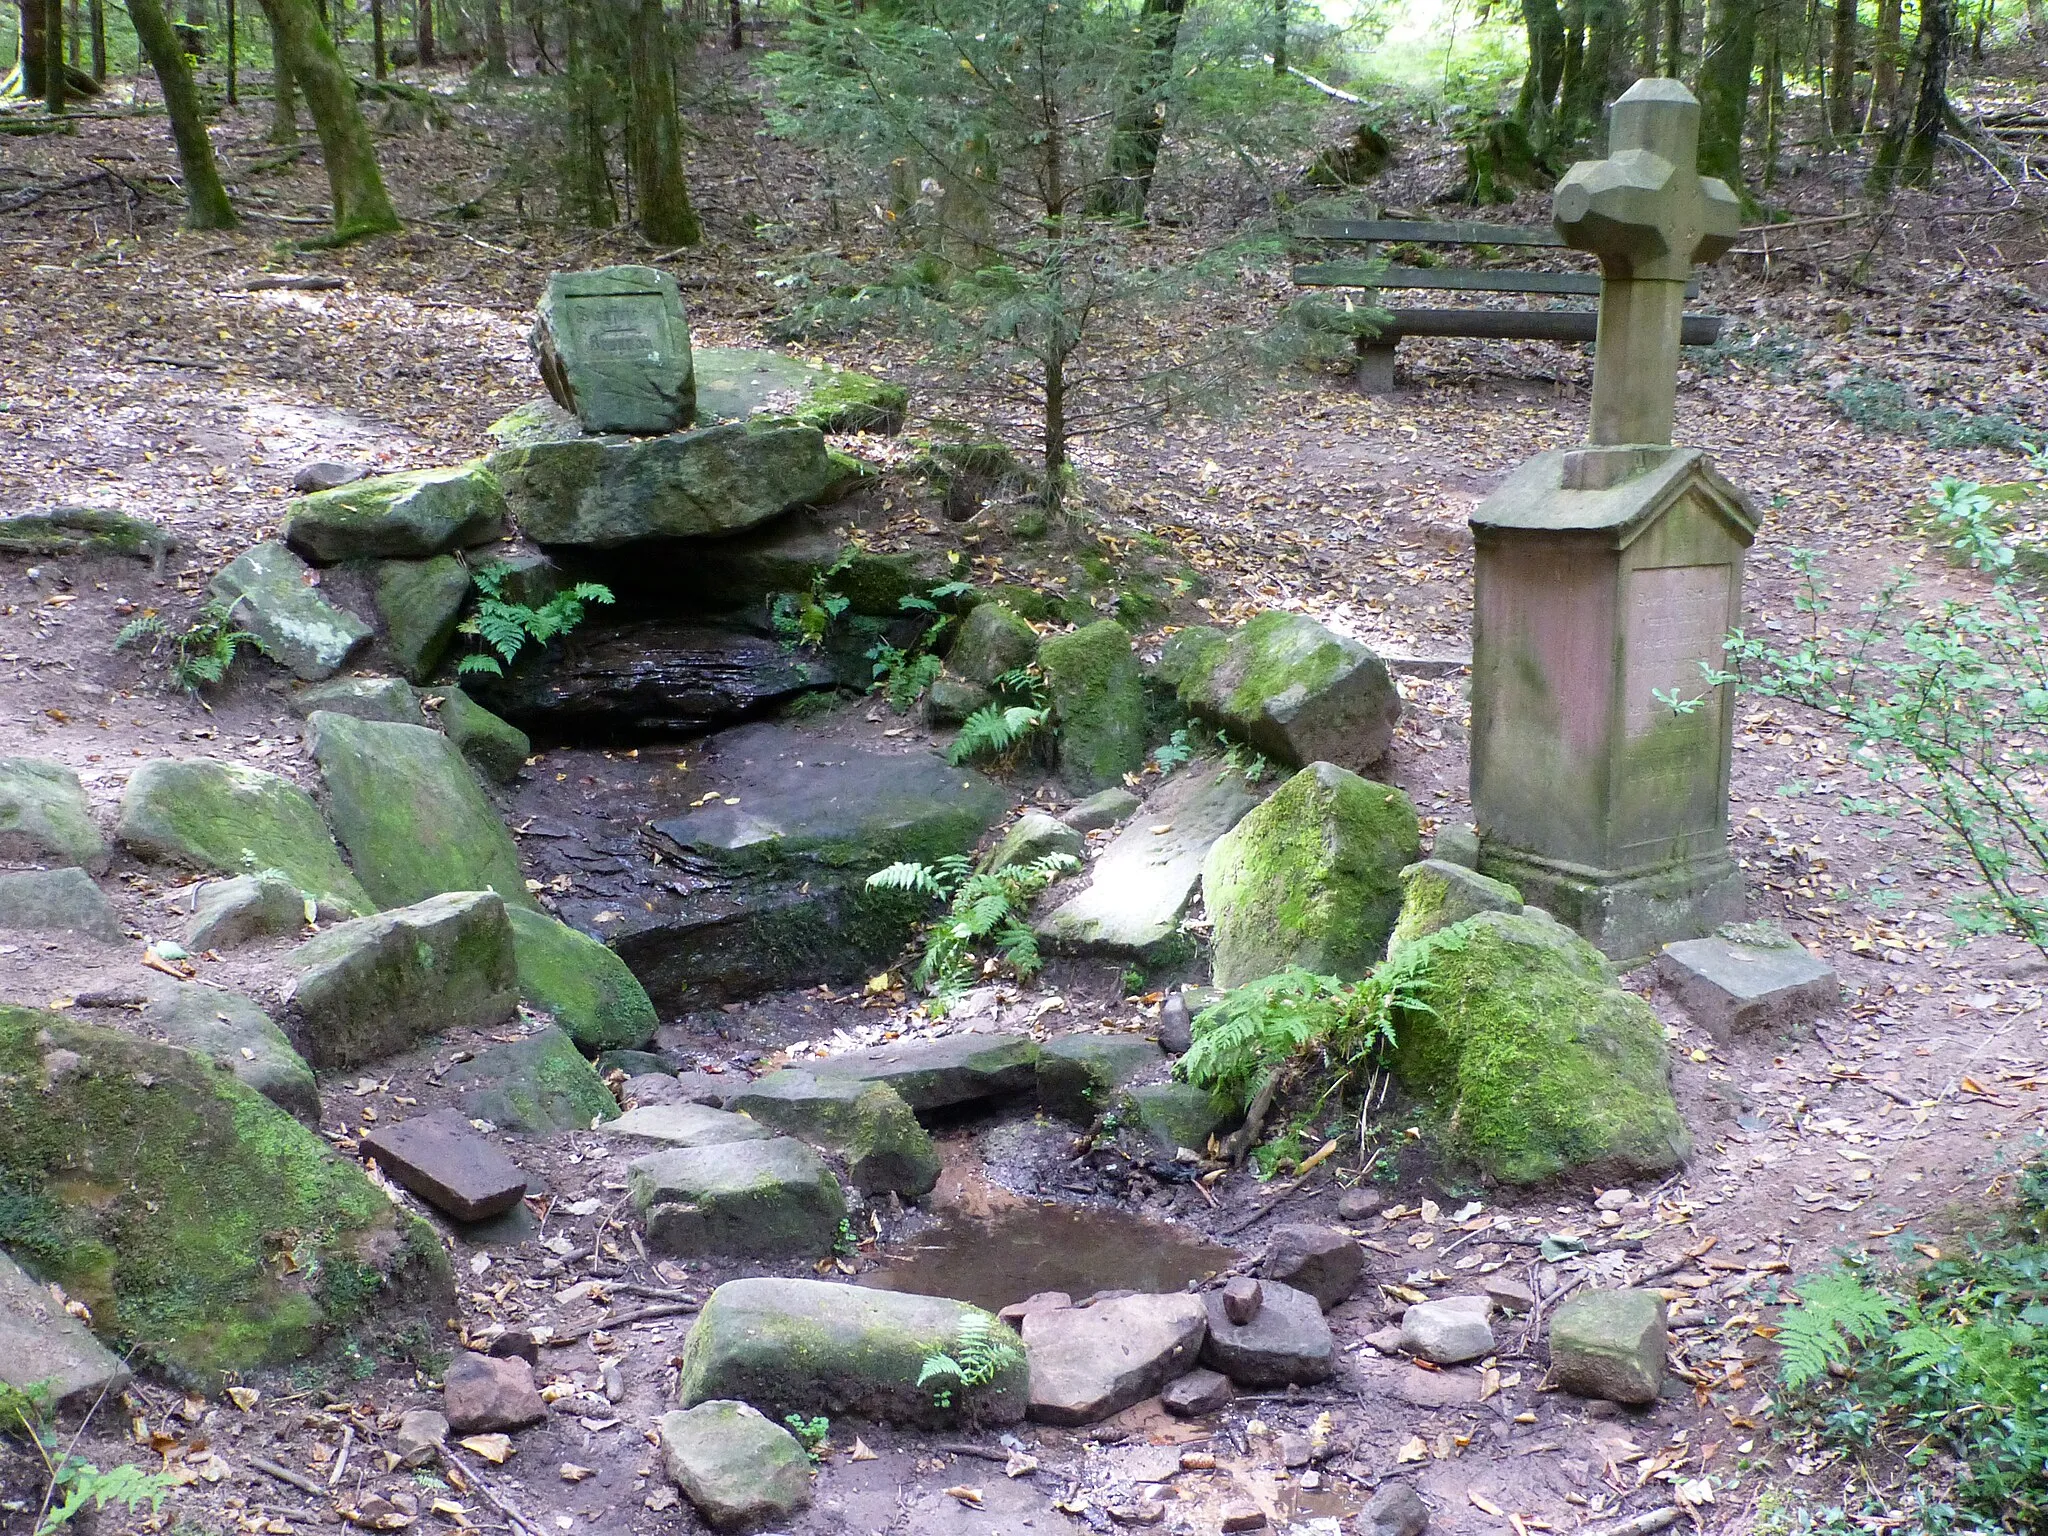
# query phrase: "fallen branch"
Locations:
[[37, 194], [285, 1474], [519, 1523], [314, 284], [1641, 1525], [1322, 85]]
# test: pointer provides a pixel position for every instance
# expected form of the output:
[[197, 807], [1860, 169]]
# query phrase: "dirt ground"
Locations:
[[143, 375]]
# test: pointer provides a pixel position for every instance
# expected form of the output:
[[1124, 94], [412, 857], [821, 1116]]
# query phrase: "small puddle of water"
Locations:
[[1015, 1251]]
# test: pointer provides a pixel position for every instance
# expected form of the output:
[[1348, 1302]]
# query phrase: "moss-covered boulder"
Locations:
[[1296, 691], [1436, 893], [45, 817], [495, 748], [1188, 651], [537, 1085], [85, 531], [866, 1123], [811, 1346], [411, 813], [411, 516], [200, 1223], [772, 1199], [1031, 837], [1310, 878], [373, 987], [420, 602], [229, 819], [237, 1036], [1079, 1074], [1537, 1063], [735, 383], [1162, 1118], [1098, 701], [273, 599], [992, 640], [367, 698], [587, 988], [601, 493]]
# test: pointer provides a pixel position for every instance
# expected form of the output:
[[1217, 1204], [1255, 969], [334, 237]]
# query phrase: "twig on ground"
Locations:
[[285, 1474]]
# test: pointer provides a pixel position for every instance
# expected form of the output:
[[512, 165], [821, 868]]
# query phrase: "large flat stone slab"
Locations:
[[1090, 1362], [273, 597], [734, 383], [867, 1123], [43, 1346], [687, 1125], [745, 1199], [447, 1163], [227, 818], [1730, 989], [414, 515], [811, 1346], [376, 986], [1287, 1342], [1142, 883], [938, 1074], [58, 901], [45, 817]]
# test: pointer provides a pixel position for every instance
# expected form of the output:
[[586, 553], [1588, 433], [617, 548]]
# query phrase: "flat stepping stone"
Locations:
[[444, 1161], [1079, 1074], [271, 591], [45, 817], [227, 914], [865, 1122], [1142, 883], [1730, 989], [58, 901], [686, 1125], [937, 1074], [1088, 1363], [1287, 1342], [735, 1465], [414, 515], [1449, 1332], [42, 1345], [743, 1199], [734, 383]]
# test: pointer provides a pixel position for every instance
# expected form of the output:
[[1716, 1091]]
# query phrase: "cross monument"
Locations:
[[1606, 577]]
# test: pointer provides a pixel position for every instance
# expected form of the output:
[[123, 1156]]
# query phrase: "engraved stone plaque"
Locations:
[[614, 347]]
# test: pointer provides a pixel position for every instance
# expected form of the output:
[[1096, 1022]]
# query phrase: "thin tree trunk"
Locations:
[[1726, 62], [496, 60], [1545, 29], [1593, 86], [666, 216], [355, 185], [96, 14], [192, 33], [1646, 55], [284, 116], [72, 29], [1674, 38], [1842, 68], [1932, 48], [1141, 125], [1568, 88], [1279, 37], [53, 55], [380, 60], [34, 47], [1773, 91], [423, 32], [586, 184], [1885, 54], [234, 56], [206, 200], [736, 34]]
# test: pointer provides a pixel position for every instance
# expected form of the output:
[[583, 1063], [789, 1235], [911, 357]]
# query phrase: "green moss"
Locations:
[[200, 1223], [1311, 878], [1282, 653], [1436, 894], [539, 1084], [84, 531], [593, 996], [1539, 1065], [1098, 698], [846, 401]]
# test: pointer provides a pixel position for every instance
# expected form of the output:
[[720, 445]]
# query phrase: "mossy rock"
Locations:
[[1310, 878], [202, 1225], [367, 698], [411, 813], [1538, 1065], [229, 819], [84, 531], [1298, 692], [735, 383], [1164, 1117], [538, 1085], [866, 1123], [772, 1199], [45, 817], [1435, 894], [992, 640], [1098, 698], [593, 997], [1079, 1074], [494, 747], [420, 602], [1188, 651], [411, 516]]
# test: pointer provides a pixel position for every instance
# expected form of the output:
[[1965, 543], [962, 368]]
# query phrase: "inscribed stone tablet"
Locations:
[[614, 347]]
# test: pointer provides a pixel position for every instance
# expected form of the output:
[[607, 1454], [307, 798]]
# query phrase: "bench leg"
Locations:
[[1375, 375]]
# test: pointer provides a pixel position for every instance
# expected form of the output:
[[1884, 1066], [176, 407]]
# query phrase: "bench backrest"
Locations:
[[1429, 232]]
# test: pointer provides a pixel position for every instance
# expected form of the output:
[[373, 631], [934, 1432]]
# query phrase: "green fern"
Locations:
[[202, 655], [986, 1350], [507, 628], [1835, 1311], [985, 922], [992, 730]]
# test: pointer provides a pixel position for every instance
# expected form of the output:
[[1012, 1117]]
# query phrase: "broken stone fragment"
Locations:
[[1287, 1342], [1610, 1344], [227, 914], [1324, 1262], [481, 1394], [1196, 1394], [1396, 1510], [1295, 690], [1448, 1332], [1731, 989], [271, 594], [738, 1468], [1242, 1298], [43, 1346], [419, 1437], [1088, 1363], [444, 1161]]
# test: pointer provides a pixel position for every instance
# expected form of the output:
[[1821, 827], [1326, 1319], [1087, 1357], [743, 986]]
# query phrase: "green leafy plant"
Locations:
[[986, 1349], [1177, 750], [1942, 1365], [1020, 709], [201, 656], [1945, 705], [73, 1484], [508, 627], [1879, 404], [844, 1243], [903, 673], [984, 928], [811, 1433]]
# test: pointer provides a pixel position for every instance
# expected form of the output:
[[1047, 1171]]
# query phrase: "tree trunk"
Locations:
[[1540, 82], [1773, 91], [1646, 55], [1279, 37], [1726, 63], [192, 31], [206, 200], [54, 79], [1885, 54], [1842, 68], [1574, 62], [72, 30], [1932, 50], [1674, 38], [356, 187], [33, 48], [380, 61], [284, 116], [736, 24], [234, 55], [1593, 84], [496, 60], [96, 14], [654, 136], [1141, 125], [423, 31], [586, 180]]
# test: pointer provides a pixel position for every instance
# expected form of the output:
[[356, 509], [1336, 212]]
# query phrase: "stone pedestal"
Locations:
[[1605, 578]]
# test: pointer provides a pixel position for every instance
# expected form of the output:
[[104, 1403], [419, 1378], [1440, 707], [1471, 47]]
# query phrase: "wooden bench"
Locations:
[[1376, 352]]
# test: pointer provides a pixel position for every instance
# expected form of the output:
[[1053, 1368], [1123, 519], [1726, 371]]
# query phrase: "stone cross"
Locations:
[[1649, 215]]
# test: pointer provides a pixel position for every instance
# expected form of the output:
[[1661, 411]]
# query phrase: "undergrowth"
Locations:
[[201, 656], [73, 1486], [1880, 405], [985, 928], [1001, 727], [984, 1352], [1936, 1368], [507, 627]]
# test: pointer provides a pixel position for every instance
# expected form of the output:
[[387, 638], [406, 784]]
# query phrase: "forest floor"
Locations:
[[143, 374]]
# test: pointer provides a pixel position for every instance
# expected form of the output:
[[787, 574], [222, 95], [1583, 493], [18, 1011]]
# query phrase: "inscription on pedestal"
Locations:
[[1676, 617], [614, 347]]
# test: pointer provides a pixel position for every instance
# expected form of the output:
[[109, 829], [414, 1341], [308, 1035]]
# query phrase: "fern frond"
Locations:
[[1835, 1311], [477, 661], [908, 875]]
